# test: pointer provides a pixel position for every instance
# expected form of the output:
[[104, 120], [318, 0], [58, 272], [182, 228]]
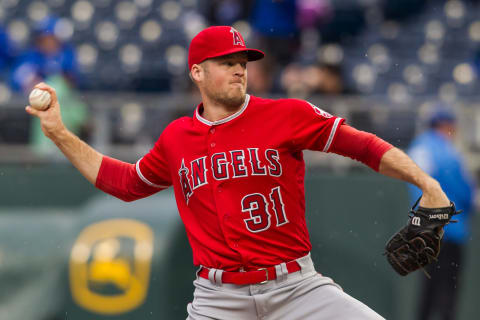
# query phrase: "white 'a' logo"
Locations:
[[416, 221], [237, 38]]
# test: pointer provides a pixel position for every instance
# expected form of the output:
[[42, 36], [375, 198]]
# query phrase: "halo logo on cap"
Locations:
[[237, 38]]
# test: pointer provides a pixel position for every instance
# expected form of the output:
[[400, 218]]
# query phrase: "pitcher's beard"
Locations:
[[230, 101]]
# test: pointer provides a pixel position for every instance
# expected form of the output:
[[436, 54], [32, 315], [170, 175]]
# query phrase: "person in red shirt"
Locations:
[[237, 171]]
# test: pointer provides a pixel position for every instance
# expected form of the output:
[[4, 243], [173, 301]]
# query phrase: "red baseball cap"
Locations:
[[219, 41]]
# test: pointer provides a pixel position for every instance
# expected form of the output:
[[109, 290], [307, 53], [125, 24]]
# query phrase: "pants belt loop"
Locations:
[[306, 264], [218, 277], [211, 275], [284, 270], [281, 271]]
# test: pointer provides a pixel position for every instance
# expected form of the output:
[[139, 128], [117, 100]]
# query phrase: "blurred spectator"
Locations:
[[476, 61], [291, 81], [13, 124], [260, 76], [47, 56], [227, 12], [342, 23], [5, 52], [324, 79], [51, 60], [435, 153], [301, 81], [312, 12], [276, 25], [275, 18]]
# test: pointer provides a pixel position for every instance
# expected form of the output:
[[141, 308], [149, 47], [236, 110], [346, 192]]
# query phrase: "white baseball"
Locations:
[[39, 99]]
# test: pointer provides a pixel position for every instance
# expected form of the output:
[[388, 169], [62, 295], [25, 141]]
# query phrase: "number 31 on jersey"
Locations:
[[256, 205]]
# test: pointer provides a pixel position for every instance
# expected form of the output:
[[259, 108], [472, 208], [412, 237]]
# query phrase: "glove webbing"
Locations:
[[416, 254]]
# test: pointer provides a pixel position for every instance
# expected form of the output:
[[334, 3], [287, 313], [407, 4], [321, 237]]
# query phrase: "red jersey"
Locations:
[[239, 181]]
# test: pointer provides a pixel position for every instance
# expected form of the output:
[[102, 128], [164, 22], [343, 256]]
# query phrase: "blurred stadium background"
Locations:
[[69, 252]]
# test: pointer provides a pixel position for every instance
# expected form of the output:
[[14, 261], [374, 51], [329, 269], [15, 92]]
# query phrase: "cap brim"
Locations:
[[252, 54]]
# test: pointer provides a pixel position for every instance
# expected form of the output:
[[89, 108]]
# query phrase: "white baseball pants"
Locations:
[[302, 295]]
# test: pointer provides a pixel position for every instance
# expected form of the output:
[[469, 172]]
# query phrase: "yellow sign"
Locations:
[[110, 266]]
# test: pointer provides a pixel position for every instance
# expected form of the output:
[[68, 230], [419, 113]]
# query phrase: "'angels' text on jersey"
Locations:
[[231, 164]]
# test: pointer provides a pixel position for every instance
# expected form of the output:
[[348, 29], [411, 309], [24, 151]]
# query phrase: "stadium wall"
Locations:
[[48, 212]]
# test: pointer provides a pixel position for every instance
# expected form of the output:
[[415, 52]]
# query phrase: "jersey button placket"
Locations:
[[211, 132], [211, 145]]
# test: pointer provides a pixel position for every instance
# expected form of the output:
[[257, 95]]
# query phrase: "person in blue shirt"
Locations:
[[436, 154], [5, 50], [48, 56], [275, 25]]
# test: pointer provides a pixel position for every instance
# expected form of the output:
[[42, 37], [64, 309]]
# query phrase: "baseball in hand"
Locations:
[[39, 99]]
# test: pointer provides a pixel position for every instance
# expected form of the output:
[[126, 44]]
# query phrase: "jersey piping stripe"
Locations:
[[137, 166], [229, 118], [332, 134]]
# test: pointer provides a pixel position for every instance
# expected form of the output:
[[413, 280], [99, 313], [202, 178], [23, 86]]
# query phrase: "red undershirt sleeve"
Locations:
[[359, 145], [120, 179]]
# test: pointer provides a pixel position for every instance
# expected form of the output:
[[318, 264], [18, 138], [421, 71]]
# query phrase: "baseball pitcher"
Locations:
[[237, 171]]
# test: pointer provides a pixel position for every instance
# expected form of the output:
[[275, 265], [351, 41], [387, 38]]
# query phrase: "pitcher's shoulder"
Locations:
[[282, 103], [179, 124]]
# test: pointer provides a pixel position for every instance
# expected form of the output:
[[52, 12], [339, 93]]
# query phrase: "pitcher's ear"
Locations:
[[197, 73]]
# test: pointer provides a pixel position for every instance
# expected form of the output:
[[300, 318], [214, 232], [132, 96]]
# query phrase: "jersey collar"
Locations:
[[224, 120]]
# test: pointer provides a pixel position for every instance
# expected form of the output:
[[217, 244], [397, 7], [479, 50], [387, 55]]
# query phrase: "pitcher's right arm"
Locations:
[[112, 176]]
